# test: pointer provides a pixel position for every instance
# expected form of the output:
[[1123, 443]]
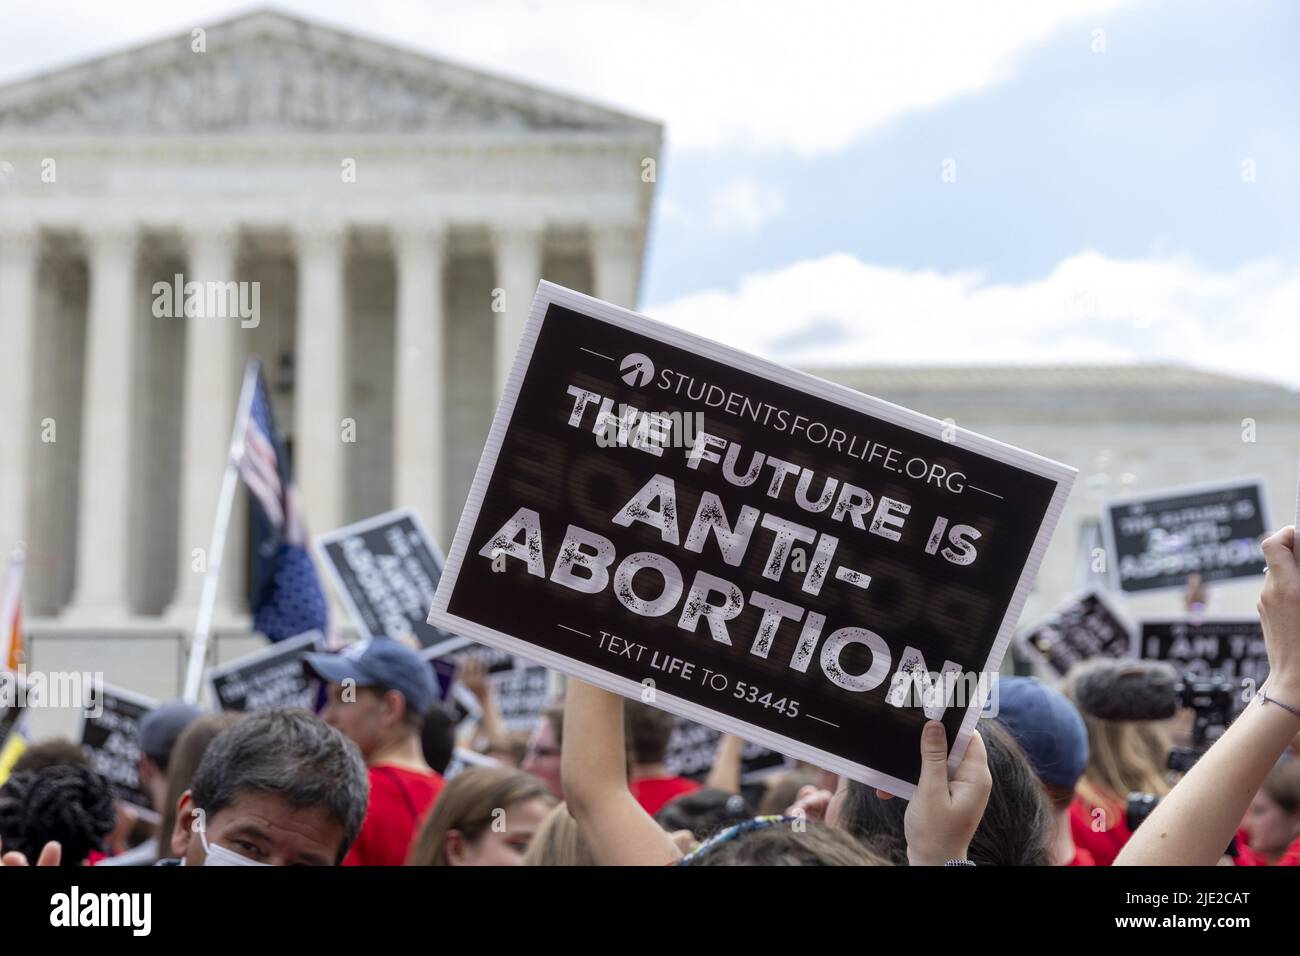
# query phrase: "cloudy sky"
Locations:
[[919, 183]]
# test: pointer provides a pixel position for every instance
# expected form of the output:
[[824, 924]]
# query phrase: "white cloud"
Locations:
[[748, 74], [744, 205], [839, 310]]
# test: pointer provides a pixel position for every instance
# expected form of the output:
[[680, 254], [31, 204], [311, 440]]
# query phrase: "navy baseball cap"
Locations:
[[160, 727], [382, 663], [1047, 727]]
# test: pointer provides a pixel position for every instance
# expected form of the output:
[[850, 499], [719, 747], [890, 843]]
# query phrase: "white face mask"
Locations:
[[220, 856]]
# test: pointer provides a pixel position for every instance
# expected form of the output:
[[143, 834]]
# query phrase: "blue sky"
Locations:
[[1131, 152]]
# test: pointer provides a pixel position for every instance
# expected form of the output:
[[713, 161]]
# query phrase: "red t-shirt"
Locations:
[[653, 792], [1248, 857], [1081, 858], [1104, 845], [399, 799]]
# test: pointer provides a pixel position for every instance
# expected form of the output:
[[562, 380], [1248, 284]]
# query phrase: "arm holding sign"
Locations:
[[724, 775], [594, 767], [1192, 825], [474, 675]]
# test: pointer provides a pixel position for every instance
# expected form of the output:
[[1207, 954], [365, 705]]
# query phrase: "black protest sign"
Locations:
[[1228, 647], [110, 736], [777, 556], [693, 749], [386, 569], [1158, 540], [269, 679], [1085, 627], [522, 695]]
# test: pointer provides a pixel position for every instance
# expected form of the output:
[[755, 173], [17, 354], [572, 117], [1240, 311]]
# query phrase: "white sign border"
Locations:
[[548, 293]]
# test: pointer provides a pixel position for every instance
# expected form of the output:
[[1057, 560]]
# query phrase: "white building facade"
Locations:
[[390, 216]]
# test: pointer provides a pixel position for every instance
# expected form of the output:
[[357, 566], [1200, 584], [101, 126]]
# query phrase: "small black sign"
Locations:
[[1158, 540], [1230, 648], [386, 569], [110, 736], [1086, 627], [268, 679]]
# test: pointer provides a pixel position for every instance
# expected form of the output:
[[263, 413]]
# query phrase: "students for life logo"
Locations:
[[637, 369]]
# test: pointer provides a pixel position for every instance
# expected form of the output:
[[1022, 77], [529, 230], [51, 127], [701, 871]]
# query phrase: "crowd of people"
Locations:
[[1074, 775]]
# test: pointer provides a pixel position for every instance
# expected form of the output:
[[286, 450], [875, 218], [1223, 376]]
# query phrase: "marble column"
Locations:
[[108, 437], [518, 252], [320, 373], [419, 412], [18, 262], [214, 359]]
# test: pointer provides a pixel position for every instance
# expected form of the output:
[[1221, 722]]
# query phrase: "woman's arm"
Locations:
[[724, 775], [593, 764], [1192, 825]]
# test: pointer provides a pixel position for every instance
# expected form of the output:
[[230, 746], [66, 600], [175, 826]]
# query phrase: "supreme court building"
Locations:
[[390, 215]]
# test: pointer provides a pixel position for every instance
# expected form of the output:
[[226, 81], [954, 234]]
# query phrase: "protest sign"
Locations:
[[385, 569], [111, 740], [1229, 647], [268, 679], [522, 695], [693, 748], [756, 549], [1156, 540], [1085, 627]]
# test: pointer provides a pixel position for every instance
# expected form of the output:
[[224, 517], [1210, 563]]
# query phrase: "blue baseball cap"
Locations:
[[1047, 727], [160, 727], [382, 663]]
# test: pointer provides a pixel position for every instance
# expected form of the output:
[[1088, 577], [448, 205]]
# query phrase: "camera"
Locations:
[[1214, 702]]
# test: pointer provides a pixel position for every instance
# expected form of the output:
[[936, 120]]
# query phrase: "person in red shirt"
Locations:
[[1125, 706], [379, 692], [648, 731], [1272, 825]]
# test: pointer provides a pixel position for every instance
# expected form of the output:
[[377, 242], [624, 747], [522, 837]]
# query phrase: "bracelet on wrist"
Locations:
[[1265, 699]]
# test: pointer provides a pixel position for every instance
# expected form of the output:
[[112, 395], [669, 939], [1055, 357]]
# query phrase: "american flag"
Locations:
[[286, 597]]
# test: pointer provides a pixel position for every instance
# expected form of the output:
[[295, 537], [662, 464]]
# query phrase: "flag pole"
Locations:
[[225, 504]]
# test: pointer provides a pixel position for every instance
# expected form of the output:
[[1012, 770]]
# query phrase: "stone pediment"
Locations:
[[271, 73]]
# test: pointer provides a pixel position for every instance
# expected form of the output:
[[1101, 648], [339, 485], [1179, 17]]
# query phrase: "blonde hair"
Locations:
[[558, 842], [466, 804], [1123, 757]]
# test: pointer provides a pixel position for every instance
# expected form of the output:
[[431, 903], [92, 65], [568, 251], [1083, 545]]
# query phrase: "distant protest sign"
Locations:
[[1231, 648], [269, 679], [1085, 627], [522, 695], [754, 548], [693, 749], [1157, 540], [386, 569], [110, 736]]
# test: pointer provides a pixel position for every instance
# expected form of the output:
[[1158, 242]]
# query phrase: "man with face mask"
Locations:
[[279, 788], [379, 693]]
